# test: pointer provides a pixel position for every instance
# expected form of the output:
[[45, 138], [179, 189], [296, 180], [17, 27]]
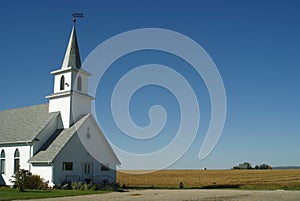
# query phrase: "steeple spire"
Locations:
[[70, 96], [72, 56]]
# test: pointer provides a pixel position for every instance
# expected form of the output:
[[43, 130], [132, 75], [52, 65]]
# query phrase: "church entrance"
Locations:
[[87, 172]]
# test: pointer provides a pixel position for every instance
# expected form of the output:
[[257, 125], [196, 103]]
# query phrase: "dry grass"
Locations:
[[249, 179]]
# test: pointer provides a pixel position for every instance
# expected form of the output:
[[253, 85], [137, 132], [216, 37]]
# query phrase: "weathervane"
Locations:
[[76, 15]]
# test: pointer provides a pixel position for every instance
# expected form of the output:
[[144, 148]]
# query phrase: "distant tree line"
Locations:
[[248, 166]]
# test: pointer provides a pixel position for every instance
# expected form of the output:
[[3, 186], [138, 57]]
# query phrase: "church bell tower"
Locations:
[[70, 96]]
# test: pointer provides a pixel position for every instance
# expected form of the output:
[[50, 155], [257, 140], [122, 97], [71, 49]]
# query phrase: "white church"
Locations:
[[44, 139]]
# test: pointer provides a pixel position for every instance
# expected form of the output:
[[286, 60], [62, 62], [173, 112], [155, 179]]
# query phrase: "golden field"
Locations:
[[246, 179]]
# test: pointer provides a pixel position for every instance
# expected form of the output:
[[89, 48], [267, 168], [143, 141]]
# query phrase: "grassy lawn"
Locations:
[[12, 194], [240, 179]]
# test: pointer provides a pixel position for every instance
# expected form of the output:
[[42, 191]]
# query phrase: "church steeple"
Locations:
[[72, 56], [70, 96]]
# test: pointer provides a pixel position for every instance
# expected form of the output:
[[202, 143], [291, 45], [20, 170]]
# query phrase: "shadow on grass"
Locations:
[[36, 191]]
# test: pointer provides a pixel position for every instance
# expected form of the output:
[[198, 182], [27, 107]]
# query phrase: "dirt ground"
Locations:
[[187, 195]]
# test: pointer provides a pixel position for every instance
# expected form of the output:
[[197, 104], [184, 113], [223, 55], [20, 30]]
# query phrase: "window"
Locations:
[[79, 83], [87, 168], [62, 83], [104, 167], [17, 160], [67, 166], [2, 162]]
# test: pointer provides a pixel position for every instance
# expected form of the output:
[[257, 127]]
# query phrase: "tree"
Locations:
[[23, 179], [265, 166], [20, 178], [247, 165]]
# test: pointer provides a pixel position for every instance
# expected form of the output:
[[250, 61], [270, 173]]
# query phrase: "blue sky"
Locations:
[[254, 44]]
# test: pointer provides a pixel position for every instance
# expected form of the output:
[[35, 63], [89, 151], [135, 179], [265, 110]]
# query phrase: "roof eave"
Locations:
[[17, 142], [40, 162]]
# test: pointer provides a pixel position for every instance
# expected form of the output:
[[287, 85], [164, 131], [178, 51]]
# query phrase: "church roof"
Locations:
[[54, 146], [24, 124], [72, 56]]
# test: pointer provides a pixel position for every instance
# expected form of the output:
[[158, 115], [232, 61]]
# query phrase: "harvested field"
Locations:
[[245, 179]]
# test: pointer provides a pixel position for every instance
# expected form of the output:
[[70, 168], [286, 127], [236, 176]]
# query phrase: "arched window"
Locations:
[[2, 162], [17, 160], [79, 83], [62, 83]]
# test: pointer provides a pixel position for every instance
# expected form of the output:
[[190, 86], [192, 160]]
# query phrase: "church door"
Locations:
[[87, 172]]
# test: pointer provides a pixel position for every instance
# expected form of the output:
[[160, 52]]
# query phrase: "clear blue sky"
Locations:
[[254, 44]]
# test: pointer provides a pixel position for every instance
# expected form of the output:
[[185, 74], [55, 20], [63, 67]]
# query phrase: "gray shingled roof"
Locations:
[[48, 154], [24, 124]]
